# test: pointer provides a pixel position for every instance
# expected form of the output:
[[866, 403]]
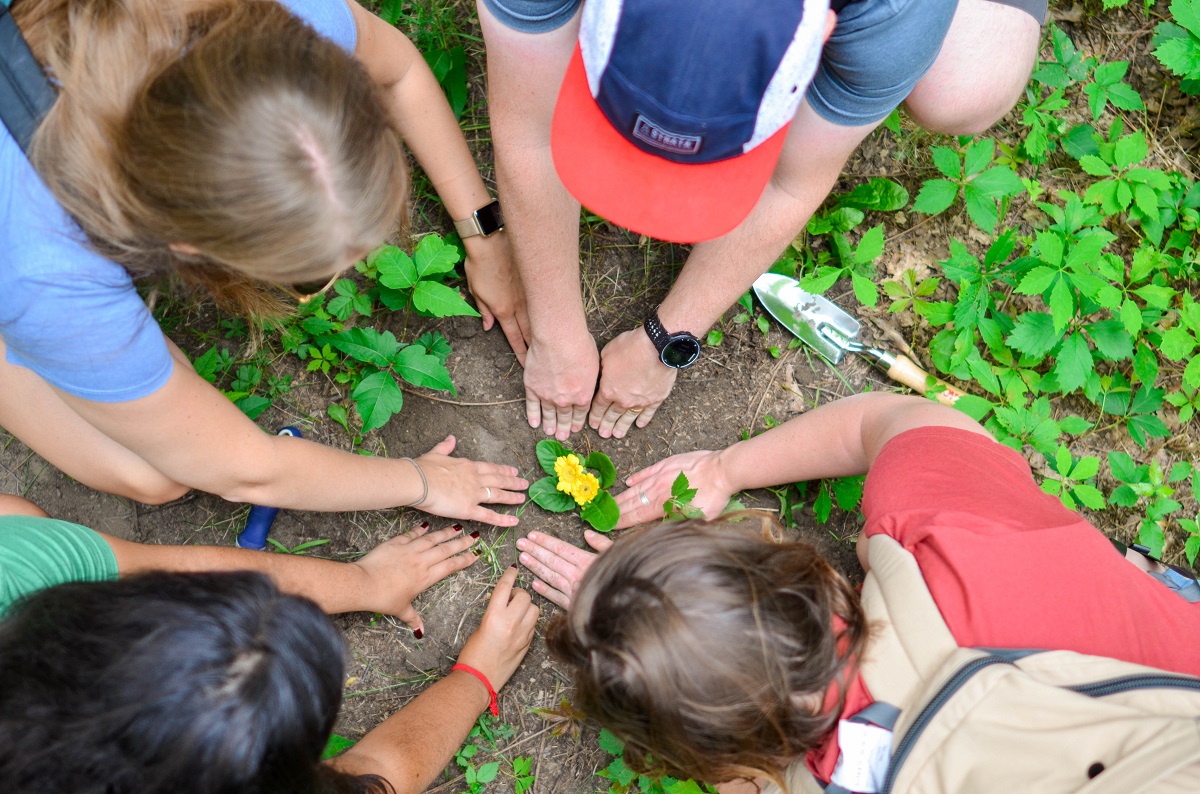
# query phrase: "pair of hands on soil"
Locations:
[[401, 568], [560, 384], [560, 567]]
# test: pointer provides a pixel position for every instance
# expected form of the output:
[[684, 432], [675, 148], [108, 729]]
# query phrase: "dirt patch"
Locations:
[[734, 388]]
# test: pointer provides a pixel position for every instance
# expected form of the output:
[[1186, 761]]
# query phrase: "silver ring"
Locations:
[[489, 493], [645, 499]]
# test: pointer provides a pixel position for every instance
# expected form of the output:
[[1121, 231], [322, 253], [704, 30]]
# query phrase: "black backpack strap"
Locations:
[[26, 94]]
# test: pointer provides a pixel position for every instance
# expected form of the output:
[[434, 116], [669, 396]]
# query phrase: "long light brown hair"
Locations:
[[709, 648], [233, 129]]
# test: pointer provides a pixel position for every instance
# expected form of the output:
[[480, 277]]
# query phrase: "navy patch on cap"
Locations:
[[660, 138]]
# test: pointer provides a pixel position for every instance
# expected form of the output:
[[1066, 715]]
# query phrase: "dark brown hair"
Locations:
[[708, 647], [235, 130]]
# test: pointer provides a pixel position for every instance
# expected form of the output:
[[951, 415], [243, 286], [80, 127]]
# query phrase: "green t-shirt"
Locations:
[[36, 553]]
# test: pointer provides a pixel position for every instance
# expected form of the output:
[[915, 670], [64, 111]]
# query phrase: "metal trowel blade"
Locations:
[[803, 314]]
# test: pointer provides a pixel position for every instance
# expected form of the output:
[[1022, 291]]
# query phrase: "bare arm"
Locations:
[[633, 381], [188, 431], [835, 440], [385, 580], [420, 112], [524, 73], [412, 746]]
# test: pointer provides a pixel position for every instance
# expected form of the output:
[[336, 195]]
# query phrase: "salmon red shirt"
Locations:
[[1009, 566]]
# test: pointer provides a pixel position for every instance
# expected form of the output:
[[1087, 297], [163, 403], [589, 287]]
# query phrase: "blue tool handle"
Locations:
[[258, 523]]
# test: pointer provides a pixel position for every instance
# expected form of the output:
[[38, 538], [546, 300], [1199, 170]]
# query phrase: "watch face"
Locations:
[[682, 351], [489, 219]]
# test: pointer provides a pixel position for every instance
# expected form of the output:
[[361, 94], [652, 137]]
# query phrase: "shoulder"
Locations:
[[36, 553]]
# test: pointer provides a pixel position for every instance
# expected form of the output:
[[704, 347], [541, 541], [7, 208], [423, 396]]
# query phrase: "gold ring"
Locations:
[[634, 410]]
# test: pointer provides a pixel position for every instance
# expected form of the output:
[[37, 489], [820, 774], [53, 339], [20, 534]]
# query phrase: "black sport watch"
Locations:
[[675, 350]]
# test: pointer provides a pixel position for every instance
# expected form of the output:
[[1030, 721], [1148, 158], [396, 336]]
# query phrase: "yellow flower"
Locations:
[[575, 480]]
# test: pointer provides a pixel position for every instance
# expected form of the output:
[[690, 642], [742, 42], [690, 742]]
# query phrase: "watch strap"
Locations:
[[654, 329]]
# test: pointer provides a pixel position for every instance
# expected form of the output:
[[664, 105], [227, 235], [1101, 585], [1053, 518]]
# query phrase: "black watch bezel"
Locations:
[[677, 351], [489, 219]]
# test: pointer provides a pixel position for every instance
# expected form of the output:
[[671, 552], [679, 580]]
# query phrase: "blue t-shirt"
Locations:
[[70, 315]]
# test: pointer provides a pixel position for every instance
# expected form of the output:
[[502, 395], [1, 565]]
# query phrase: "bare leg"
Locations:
[[32, 411], [981, 71]]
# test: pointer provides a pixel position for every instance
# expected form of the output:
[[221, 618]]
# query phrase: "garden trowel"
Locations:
[[827, 328]]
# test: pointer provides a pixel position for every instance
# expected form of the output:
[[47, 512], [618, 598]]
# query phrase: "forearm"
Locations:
[[334, 586], [838, 439], [412, 746], [542, 218], [191, 433]]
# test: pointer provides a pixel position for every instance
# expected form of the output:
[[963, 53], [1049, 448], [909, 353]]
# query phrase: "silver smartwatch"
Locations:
[[483, 222]]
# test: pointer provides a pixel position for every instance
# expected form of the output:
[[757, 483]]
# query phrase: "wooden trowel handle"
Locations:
[[906, 372]]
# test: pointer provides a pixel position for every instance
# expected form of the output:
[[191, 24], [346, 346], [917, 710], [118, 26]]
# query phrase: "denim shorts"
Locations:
[[877, 53]]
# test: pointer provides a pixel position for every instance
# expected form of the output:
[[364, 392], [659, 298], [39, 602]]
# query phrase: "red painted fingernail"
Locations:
[[418, 633], [457, 527], [477, 552], [474, 534], [423, 525], [514, 565]]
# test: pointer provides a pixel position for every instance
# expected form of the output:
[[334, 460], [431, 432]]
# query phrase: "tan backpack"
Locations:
[[974, 721]]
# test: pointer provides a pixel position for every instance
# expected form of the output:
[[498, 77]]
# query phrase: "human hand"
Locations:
[[493, 279], [633, 383], [500, 642], [643, 500], [559, 566], [560, 379], [458, 487], [399, 569]]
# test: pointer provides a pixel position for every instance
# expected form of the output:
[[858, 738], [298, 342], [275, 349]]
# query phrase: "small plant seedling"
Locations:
[[1073, 486], [574, 482], [624, 780], [1152, 490], [299, 548], [522, 770], [679, 505]]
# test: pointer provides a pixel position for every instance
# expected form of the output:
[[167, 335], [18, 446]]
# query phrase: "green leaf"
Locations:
[[434, 256], [336, 746], [1129, 150], [1037, 280], [947, 161], [870, 245], [206, 365], [1145, 364], [487, 772], [378, 398], [339, 414], [1074, 363], [252, 405], [977, 156], [1089, 495], [396, 268], [435, 344], [603, 465], [609, 743], [366, 345], [440, 301], [1093, 165], [865, 290], [997, 181], [548, 451], [1151, 536], [545, 494], [602, 512], [1062, 305], [1033, 334], [1177, 343], [980, 208], [822, 505], [420, 368], [1111, 340], [1086, 468], [878, 194], [714, 338], [935, 196]]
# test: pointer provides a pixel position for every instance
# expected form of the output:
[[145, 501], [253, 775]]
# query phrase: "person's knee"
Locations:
[[953, 116], [147, 486]]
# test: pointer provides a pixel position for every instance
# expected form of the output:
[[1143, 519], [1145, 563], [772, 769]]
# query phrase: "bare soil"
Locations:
[[733, 389]]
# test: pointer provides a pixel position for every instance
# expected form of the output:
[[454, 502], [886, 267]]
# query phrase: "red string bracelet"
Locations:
[[493, 706]]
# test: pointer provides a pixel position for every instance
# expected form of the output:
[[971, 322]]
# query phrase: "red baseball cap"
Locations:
[[673, 113]]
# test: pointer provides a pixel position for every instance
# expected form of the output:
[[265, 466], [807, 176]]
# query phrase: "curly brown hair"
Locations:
[[710, 647]]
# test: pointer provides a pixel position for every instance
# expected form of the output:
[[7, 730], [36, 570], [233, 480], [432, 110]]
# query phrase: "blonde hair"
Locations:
[[236, 131], [708, 648]]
